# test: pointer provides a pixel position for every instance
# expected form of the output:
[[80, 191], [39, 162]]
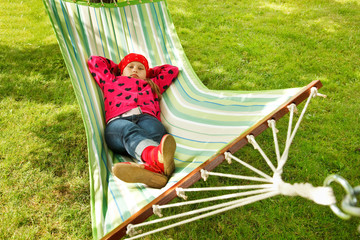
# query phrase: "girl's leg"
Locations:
[[159, 165], [135, 134], [154, 129], [124, 136], [161, 156]]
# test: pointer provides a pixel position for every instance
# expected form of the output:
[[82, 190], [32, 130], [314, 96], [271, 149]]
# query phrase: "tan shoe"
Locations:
[[139, 173], [166, 154]]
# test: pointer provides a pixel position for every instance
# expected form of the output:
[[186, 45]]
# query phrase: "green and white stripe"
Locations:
[[203, 121]]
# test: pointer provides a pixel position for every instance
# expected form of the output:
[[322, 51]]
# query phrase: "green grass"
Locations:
[[232, 45]]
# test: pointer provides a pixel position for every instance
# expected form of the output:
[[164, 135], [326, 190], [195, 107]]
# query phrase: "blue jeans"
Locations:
[[131, 135]]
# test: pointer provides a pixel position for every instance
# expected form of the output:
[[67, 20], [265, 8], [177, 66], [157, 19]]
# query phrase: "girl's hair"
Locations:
[[155, 88]]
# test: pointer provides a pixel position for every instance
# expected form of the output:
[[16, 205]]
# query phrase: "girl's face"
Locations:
[[135, 70]]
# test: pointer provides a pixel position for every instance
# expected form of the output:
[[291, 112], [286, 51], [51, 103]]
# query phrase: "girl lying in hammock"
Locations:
[[132, 114]]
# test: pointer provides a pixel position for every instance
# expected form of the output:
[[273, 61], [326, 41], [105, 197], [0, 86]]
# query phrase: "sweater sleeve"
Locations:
[[163, 76], [102, 69]]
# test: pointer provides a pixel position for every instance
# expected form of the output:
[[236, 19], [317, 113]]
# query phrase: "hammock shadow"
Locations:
[[36, 74]]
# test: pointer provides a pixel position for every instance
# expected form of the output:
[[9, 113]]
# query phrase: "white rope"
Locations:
[[292, 109], [205, 174], [320, 195], [291, 136], [157, 208], [200, 210], [228, 155], [272, 125], [317, 94], [181, 191], [251, 140], [221, 208], [241, 187]]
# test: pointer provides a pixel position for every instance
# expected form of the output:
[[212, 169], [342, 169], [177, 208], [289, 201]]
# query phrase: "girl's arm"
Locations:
[[102, 69], [163, 76]]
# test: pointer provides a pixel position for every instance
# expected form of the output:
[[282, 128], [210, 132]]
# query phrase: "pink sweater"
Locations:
[[122, 93]]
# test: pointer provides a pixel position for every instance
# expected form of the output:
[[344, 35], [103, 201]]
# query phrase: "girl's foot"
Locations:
[[162, 156], [159, 165], [139, 173]]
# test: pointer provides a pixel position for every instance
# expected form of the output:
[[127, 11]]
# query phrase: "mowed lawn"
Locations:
[[232, 45]]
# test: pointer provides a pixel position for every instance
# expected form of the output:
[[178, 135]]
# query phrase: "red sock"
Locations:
[[150, 157], [147, 154]]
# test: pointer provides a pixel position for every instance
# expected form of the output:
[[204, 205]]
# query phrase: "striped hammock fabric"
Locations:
[[202, 121]]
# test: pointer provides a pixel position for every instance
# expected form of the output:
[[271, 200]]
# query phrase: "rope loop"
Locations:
[[130, 230], [228, 157], [251, 140], [157, 210], [272, 125], [292, 108], [204, 174], [315, 93], [181, 193]]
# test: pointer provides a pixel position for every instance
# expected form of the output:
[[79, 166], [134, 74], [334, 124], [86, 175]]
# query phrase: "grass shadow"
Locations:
[[35, 74]]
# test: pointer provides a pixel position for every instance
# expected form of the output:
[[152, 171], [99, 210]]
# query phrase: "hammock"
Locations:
[[205, 123]]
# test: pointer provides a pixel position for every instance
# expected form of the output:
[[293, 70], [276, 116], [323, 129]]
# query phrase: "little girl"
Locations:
[[132, 92]]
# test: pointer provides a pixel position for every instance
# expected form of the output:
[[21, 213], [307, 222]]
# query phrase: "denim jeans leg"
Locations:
[[133, 134], [155, 130], [123, 136]]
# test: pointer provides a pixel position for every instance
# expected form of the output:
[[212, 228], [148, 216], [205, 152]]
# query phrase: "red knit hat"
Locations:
[[133, 57]]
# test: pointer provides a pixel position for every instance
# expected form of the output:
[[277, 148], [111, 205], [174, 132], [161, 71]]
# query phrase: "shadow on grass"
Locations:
[[34, 73], [44, 147], [35, 81]]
